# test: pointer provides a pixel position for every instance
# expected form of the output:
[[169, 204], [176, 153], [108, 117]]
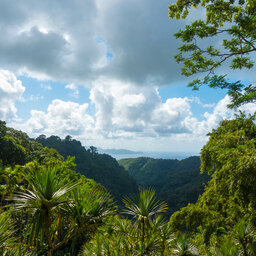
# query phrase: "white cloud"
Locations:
[[46, 87], [220, 112], [132, 117], [74, 89], [122, 109], [36, 97], [60, 40], [126, 111], [62, 118], [11, 90], [170, 117]]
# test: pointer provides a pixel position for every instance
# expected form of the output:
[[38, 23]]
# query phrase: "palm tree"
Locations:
[[143, 208], [7, 232], [164, 233], [89, 209], [125, 234], [228, 248], [182, 246], [115, 238], [45, 201], [244, 234]]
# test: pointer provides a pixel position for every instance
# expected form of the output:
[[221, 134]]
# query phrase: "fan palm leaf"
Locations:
[[44, 200], [182, 246], [142, 208]]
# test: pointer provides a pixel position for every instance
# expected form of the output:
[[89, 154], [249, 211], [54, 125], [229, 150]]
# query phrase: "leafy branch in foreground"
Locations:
[[230, 25]]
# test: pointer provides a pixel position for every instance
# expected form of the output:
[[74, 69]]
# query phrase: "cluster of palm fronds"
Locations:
[[51, 213], [148, 233], [48, 211]]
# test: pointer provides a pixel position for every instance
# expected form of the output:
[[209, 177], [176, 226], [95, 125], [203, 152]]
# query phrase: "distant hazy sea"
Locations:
[[163, 155]]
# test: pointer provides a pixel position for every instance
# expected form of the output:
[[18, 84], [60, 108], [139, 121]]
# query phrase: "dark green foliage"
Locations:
[[17, 148], [49, 209], [7, 231], [230, 196], [148, 233], [176, 182], [230, 22], [2, 128], [61, 212], [103, 168], [13, 148], [46, 207]]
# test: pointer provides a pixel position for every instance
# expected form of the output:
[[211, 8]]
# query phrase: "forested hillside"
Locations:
[[49, 209], [99, 69], [225, 214], [18, 149], [103, 168], [178, 182]]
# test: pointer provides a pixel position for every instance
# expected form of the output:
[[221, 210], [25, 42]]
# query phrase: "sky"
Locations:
[[103, 72]]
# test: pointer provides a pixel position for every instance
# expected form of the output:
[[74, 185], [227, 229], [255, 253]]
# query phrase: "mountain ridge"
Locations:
[[178, 182]]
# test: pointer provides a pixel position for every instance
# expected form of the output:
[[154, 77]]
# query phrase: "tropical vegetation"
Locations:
[[177, 182], [47, 208], [102, 168], [225, 35]]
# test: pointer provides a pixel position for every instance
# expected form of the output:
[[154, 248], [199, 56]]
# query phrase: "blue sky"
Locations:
[[104, 73], [39, 94]]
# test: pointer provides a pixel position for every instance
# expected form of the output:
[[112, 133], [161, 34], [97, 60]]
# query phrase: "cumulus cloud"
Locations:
[[79, 41], [130, 116], [172, 117], [61, 118], [125, 110], [11, 90], [122, 110], [219, 113]]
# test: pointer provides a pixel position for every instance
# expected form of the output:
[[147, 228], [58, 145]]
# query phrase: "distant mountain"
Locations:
[[103, 168], [124, 153], [178, 182], [114, 151]]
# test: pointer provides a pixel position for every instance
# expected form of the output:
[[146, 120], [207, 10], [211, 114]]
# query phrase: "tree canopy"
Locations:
[[49, 209], [229, 197], [232, 23], [178, 182], [103, 168]]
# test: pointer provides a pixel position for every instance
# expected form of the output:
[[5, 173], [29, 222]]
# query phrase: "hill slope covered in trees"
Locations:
[[178, 182], [46, 206], [49, 209], [103, 168]]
